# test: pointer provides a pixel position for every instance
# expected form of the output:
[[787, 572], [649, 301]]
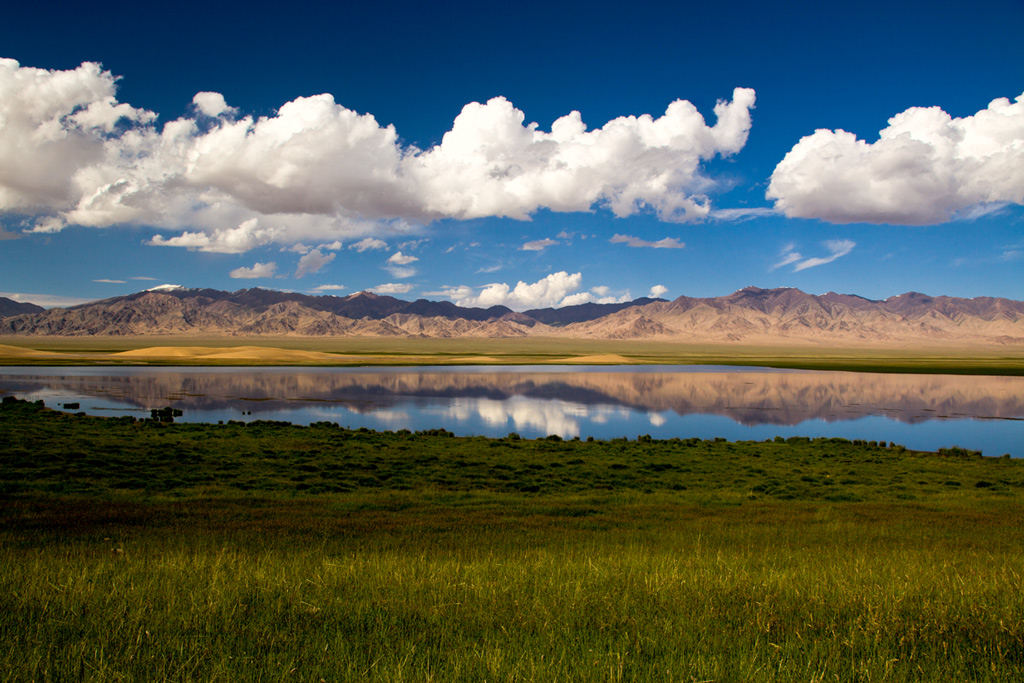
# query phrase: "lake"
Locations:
[[923, 412]]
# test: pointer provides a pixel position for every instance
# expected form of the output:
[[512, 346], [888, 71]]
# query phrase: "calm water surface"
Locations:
[[919, 411]]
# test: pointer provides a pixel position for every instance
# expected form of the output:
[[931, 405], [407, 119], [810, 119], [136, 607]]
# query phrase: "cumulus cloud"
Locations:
[[315, 171], [313, 262], [368, 243], [391, 288], [491, 164], [658, 291], [247, 235], [397, 265], [258, 270], [836, 249], [666, 243], [212, 104], [547, 292], [400, 259], [926, 167], [538, 245]]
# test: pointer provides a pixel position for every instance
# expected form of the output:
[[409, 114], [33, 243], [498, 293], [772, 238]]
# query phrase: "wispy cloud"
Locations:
[[740, 215], [836, 249], [629, 240], [328, 288], [539, 245], [111, 282]]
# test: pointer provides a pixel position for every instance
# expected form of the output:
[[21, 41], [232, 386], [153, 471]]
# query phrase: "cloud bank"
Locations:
[[71, 154], [554, 291], [926, 167]]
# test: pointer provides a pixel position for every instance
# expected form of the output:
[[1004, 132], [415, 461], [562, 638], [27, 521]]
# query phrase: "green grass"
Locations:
[[136, 552]]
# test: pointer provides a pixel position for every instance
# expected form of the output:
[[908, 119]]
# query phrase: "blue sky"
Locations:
[[327, 148]]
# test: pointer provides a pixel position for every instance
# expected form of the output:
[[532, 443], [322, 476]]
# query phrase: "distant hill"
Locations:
[[9, 307], [750, 315]]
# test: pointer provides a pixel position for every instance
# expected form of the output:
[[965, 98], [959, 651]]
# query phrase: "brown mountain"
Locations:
[[9, 307], [751, 315]]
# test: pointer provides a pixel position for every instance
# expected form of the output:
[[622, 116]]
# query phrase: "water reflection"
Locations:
[[537, 401]]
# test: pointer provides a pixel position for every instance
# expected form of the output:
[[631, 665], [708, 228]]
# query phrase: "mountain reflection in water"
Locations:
[[544, 400]]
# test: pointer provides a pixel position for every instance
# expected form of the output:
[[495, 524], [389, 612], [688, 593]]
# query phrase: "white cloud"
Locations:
[[313, 262], [315, 171], [491, 164], [143, 277], [212, 104], [331, 246], [247, 235], [257, 271], [666, 243], [397, 265], [391, 288], [538, 245], [368, 243], [328, 288], [400, 259], [658, 291], [787, 256], [552, 290], [925, 168], [111, 282], [56, 124], [740, 215], [836, 249]]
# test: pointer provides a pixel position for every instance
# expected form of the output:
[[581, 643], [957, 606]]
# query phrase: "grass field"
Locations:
[[136, 551], [179, 350]]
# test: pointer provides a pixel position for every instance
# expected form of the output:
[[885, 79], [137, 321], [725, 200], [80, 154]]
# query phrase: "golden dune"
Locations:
[[19, 352], [597, 359], [262, 354]]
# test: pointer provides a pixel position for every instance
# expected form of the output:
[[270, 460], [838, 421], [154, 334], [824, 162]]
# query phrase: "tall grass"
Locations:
[[748, 597], [742, 562]]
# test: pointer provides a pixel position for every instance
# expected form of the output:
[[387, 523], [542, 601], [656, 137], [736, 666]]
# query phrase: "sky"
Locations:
[[528, 154]]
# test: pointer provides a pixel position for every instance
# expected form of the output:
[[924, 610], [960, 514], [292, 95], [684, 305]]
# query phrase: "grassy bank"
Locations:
[[134, 551]]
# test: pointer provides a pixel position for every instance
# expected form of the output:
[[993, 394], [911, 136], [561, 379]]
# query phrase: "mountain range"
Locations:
[[750, 315]]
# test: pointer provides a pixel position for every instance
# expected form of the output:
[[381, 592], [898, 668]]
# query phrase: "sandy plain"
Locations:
[[321, 351]]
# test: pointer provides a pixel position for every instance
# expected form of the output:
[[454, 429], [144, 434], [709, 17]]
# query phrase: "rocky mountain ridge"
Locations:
[[10, 307], [750, 315]]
